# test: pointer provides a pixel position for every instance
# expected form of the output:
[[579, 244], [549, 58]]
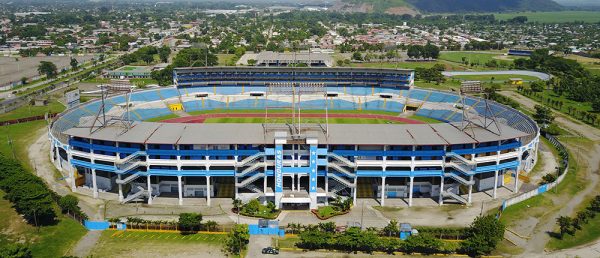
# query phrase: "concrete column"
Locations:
[[208, 190], [410, 191], [326, 182], [516, 181], [94, 185], [149, 189], [441, 200], [120, 189], [495, 183], [293, 180], [354, 190], [470, 190], [383, 191], [180, 190], [299, 182]]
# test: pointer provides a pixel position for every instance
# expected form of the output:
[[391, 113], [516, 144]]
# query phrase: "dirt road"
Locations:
[[589, 165]]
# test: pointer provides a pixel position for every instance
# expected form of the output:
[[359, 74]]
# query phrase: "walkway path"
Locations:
[[202, 118], [589, 166], [86, 243], [542, 76]]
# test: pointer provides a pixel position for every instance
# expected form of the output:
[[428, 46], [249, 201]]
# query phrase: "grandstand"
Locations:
[[439, 161]]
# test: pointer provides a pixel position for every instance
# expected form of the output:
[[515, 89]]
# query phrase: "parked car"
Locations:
[[270, 250]]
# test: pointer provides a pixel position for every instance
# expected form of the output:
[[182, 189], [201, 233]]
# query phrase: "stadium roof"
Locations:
[[359, 134]]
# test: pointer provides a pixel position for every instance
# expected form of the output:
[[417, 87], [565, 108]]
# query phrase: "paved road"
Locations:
[[542, 76], [257, 243]]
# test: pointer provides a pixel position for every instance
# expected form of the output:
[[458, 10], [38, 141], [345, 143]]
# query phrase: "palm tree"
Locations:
[[211, 225]]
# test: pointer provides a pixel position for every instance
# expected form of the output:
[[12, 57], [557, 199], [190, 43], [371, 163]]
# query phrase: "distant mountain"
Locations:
[[578, 2], [445, 6]]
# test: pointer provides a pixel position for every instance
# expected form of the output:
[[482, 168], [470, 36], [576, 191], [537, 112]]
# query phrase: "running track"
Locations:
[[202, 118]]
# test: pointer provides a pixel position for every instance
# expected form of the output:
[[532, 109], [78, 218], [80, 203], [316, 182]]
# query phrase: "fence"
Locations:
[[27, 119], [564, 155]]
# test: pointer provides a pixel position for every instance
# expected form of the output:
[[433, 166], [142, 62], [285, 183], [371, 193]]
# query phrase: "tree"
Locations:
[[237, 239], [252, 206], [327, 226], [391, 229], [596, 105], [414, 51], [252, 62], [47, 68], [422, 243], [190, 221], [74, 63], [163, 54], [431, 51], [537, 86], [15, 251], [211, 225], [483, 235], [237, 204], [565, 224], [164, 77], [543, 115], [312, 239], [357, 56], [68, 204], [23, 80]]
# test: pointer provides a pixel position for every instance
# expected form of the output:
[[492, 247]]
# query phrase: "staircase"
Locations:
[[131, 156], [136, 195], [342, 159], [250, 159], [450, 194], [340, 169], [129, 178], [333, 191], [251, 168], [124, 168], [460, 167], [459, 179], [254, 188], [341, 180], [249, 180], [460, 158]]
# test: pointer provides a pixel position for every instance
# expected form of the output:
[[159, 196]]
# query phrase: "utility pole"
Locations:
[[362, 215]]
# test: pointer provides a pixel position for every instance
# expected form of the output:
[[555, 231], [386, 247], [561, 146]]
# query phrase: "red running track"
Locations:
[[201, 118]]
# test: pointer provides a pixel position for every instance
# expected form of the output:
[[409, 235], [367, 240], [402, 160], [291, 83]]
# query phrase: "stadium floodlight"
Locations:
[[471, 114], [295, 90], [122, 116]]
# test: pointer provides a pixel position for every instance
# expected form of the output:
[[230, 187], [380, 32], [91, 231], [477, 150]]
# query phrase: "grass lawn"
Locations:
[[342, 120], [274, 111], [589, 232], [22, 135], [28, 110], [143, 244], [162, 118], [471, 57], [225, 59], [425, 119], [50, 241], [448, 85], [286, 242], [554, 17], [499, 77], [407, 65], [142, 83]]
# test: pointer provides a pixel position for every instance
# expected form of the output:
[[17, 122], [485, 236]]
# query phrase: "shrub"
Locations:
[[483, 235], [190, 221], [237, 239], [422, 243]]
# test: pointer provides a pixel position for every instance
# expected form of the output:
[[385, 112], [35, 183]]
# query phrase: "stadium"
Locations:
[[295, 136]]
